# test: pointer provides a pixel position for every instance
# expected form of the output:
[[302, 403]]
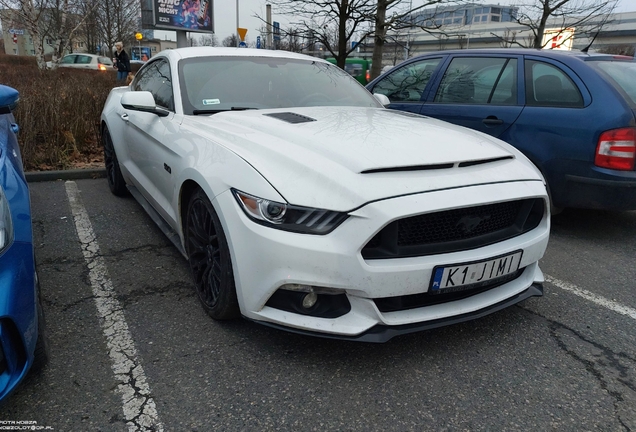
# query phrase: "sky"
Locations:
[[225, 16]]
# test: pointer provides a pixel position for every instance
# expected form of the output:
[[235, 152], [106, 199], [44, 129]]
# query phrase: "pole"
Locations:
[[182, 39], [238, 38], [268, 17]]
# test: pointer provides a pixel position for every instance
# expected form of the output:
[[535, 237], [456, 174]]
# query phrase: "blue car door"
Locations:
[[481, 92], [407, 86]]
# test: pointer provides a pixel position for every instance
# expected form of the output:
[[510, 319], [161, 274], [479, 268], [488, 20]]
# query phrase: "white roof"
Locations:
[[182, 53]]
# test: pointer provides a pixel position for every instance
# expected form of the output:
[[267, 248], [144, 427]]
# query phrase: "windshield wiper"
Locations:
[[212, 111]]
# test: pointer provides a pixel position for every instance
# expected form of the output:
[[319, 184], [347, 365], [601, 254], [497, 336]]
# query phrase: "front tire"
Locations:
[[116, 182], [209, 258]]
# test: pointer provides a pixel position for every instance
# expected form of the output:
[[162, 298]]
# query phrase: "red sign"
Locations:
[[15, 38]]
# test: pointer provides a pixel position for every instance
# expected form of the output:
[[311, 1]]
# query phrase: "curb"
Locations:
[[75, 174]]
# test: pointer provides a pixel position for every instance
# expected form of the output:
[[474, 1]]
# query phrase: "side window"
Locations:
[[69, 59], [407, 83], [547, 85], [479, 80], [156, 79], [83, 59], [163, 89]]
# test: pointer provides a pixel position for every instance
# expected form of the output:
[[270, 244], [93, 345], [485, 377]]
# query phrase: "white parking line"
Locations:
[[587, 295], [140, 411]]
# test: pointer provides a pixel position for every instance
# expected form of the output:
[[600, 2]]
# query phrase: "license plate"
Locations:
[[476, 274]]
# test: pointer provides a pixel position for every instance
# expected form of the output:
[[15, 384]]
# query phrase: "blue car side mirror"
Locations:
[[8, 99]]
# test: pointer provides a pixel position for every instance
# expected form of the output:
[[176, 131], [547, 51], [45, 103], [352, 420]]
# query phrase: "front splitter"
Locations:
[[383, 333]]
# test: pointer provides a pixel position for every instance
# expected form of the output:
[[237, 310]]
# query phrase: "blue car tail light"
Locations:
[[616, 149], [6, 226]]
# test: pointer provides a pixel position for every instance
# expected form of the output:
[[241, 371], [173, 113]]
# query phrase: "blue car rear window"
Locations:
[[622, 74]]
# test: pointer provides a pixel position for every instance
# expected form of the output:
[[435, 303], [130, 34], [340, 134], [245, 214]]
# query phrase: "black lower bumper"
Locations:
[[601, 194], [383, 333]]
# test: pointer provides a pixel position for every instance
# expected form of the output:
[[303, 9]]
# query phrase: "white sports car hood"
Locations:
[[340, 158]]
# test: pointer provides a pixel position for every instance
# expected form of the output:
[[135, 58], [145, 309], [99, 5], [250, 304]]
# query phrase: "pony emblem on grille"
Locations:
[[469, 223]]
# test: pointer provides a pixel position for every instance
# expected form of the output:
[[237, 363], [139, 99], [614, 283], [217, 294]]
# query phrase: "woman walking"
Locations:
[[122, 62]]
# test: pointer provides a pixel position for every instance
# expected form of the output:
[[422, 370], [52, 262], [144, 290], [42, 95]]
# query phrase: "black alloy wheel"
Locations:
[[209, 258], [116, 182]]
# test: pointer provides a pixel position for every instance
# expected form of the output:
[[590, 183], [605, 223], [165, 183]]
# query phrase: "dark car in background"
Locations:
[[358, 68], [571, 113], [22, 342]]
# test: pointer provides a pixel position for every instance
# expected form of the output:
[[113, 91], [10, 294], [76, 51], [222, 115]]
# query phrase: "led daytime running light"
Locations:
[[289, 217]]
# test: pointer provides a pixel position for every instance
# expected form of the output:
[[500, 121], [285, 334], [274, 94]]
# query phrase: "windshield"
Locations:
[[623, 76], [225, 83]]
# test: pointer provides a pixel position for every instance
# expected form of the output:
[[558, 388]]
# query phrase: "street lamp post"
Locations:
[[238, 38]]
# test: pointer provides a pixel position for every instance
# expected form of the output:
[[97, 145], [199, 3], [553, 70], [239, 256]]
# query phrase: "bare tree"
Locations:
[[230, 41], [395, 15], [117, 21], [587, 17], [332, 23], [208, 39], [58, 20]]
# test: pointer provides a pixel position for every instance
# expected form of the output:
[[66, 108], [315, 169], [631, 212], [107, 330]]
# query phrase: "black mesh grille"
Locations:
[[455, 230], [457, 224]]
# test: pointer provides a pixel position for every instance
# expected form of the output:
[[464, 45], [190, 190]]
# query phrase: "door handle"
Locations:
[[124, 117], [492, 121]]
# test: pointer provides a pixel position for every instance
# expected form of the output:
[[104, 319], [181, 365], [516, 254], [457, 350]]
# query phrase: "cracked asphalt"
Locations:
[[559, 362]]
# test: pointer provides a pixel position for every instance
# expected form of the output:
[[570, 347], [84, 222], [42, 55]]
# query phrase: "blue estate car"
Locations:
[[571, 113], [21, 338]]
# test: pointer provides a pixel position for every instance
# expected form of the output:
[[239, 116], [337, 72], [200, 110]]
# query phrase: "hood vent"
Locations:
[[483, 161], [408, 168], [291, 117], [433, 167]]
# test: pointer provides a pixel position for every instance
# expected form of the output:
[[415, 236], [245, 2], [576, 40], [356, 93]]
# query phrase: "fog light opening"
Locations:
[[310, 300], [322, 302]]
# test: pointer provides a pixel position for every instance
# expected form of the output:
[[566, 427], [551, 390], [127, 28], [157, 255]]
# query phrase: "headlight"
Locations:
[[289, 217], [6, 227]]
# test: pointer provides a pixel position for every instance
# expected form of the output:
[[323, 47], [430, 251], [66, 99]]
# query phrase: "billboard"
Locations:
[[558, 39], [188, 15], [140, 53]]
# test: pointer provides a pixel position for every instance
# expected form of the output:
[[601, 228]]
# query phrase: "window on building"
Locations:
[[49, 41], [495, 10], [457, 20], [477, 11], [484, 18], [495, 18]]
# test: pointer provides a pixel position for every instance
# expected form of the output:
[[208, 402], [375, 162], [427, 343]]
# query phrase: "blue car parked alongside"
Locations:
[[21, 339], [571, 113]]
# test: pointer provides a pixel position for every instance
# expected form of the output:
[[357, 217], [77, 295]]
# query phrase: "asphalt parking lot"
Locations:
[[566, 361]]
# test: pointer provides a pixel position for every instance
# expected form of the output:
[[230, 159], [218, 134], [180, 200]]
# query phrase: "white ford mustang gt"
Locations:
[[302, 203]]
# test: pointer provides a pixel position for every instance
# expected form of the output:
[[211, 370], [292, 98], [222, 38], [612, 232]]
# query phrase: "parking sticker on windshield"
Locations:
[[211, 101]]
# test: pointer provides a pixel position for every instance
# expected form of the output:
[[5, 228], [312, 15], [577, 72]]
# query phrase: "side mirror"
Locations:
[[9, 98], [142, 101], [382, 99]]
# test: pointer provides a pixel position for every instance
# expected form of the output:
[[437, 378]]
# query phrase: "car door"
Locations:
[[68, 60], [558, 128], [84, 62], [149, 155], [479, 92], [407, 86]]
